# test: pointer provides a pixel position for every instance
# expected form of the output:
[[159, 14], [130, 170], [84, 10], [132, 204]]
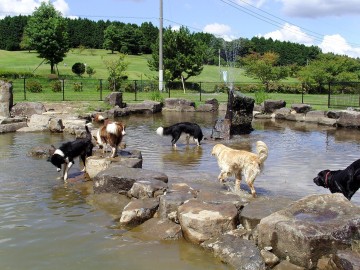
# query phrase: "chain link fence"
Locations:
[[345, 94]]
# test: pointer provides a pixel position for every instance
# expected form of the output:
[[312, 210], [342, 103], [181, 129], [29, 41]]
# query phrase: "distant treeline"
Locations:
[[135, 39]]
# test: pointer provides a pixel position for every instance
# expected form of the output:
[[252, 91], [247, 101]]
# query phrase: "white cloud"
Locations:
[[338, 45], [320, 8], [27, 7], [290, 33], [175, 27], [219, 30], [330, 43], [61, 6]]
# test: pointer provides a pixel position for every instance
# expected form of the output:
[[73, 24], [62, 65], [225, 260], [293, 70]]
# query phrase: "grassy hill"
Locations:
[[138, 68]]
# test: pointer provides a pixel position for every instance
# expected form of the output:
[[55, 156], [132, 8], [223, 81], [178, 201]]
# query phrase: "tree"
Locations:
[[131, 39], [48, 35], [263, 67], [111, 38], [116, 69], [11, 32], [78, 69], [25, 43], [90, 71], [183, 55], [329, 68], [150, 33]]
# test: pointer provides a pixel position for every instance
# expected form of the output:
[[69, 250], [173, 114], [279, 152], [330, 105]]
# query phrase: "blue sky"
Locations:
[[333, 25]]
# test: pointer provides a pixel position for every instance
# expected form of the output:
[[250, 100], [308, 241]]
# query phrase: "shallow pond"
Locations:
[[45, 225]]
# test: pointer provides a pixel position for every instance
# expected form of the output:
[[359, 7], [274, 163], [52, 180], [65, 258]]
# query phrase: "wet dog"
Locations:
[[346, 181], [238, 162], [190, 129], [67, 152], [111, 133]]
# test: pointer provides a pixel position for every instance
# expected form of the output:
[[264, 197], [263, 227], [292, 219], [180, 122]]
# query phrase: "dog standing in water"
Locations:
[[238, 162], [111, 133], [67, 152]]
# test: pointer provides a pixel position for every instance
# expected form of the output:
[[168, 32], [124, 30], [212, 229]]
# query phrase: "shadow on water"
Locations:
[[53, 226]]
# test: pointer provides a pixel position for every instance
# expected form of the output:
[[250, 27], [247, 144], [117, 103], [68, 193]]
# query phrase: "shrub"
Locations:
[[78, 87], [78, 69], [15, 75], [156, 96], [251, 88], [34, 86], [53, 76], [148, 88], [129, 87], [90, 71], [261, 96], [222, 88], [56, 86]]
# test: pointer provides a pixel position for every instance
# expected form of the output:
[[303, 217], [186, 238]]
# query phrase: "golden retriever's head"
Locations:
[[217, 149]]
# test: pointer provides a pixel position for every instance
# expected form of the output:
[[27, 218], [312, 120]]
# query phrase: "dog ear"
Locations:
[[52, 150]]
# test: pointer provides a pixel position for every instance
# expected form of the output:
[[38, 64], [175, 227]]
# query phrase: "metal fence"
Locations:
[[345, 94]]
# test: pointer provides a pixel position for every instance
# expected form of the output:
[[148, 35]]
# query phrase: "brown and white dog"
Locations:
[[238, 162], [111, 133]]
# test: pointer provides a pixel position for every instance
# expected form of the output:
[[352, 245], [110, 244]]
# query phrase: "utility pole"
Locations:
[[219, 66], [161, 71]]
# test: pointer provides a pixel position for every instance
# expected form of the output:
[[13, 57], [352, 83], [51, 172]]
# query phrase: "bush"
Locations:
[[222, 88], [56, 86], [261, 96], [156, 96], [78, 87], [15, 75], [90, 71], [78, 69], [34, 87], [129, 88]]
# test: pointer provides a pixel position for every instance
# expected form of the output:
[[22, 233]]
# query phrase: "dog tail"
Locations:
[[88, 133], [160, 131], [262, 150]]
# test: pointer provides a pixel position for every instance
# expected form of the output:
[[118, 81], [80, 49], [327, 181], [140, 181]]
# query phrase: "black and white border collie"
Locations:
[[111, 133], [67, 152], [175, 131]]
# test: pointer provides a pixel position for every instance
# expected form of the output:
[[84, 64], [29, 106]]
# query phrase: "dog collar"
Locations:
[[326, 179], [59, 152]]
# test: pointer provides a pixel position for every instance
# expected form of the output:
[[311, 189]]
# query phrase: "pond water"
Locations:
[[45, 225]]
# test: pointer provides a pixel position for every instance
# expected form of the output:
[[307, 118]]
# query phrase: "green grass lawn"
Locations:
[[137, 70]]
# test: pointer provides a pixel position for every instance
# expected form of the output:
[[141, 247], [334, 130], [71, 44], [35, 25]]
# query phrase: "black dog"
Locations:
[[345, 181], [67, 152], [190, 129]]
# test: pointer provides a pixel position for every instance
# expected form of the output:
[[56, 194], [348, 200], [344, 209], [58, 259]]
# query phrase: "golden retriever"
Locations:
[[238, 162]]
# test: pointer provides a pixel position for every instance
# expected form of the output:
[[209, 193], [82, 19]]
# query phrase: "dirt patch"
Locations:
[[71, 107]]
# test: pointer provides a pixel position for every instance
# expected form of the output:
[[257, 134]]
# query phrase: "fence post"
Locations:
[[135, 87], [329, 91], [63, 92], [169, 90], [101, 89], [302, 93], [200, 91], [24, 88]]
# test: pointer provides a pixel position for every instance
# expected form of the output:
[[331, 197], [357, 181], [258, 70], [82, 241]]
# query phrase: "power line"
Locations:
[[276, 21]]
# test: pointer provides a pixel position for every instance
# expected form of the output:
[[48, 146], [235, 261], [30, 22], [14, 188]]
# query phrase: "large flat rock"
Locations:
[[120, 179], [315, 226]]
